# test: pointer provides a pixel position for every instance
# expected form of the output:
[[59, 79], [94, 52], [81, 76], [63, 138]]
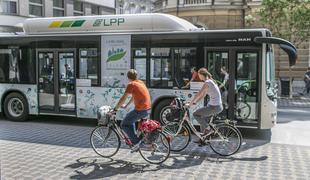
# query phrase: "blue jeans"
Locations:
[[129, 126]]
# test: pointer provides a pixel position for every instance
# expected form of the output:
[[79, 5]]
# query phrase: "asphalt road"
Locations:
[[293, 127]]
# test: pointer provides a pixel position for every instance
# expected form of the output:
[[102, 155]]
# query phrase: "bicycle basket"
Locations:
[[151, 137], [103, 115], [149, 125]]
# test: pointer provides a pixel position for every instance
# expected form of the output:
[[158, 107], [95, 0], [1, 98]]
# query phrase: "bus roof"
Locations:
[[108, 24], [232, 31]]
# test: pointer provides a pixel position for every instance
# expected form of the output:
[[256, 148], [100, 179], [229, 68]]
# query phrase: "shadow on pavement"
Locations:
[[98, 167], [106, 167]]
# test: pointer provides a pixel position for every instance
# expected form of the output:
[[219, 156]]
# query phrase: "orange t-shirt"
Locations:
[[140, 94]]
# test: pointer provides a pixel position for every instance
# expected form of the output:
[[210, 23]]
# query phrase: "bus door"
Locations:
[[217, 64], [236, 73], [56, 81]]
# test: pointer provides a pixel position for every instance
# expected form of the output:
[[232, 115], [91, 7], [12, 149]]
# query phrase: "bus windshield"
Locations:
[[270, 73]]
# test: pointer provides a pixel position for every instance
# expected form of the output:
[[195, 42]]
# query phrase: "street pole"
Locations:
[[309, 54], [178, 2]]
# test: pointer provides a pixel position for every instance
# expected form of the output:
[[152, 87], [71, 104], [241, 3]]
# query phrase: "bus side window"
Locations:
[[139, 62], [17, 66], [89, 68], [161, 68]]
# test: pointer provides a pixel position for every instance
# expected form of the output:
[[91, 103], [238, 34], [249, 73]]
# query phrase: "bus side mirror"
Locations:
[[287, 46], [291, 52]]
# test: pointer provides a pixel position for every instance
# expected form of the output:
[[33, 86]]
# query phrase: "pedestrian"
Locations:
[[194, 78], [223, 86], [307, 80]]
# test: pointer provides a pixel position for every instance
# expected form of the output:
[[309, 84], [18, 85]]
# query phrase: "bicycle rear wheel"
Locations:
[[158, 150], [226, 140], [105, 141], [178, 141]]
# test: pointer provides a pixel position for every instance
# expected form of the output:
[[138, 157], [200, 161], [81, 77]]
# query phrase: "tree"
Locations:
[[287, 19]]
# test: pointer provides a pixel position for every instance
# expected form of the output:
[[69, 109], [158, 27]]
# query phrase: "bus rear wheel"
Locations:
[[16, 107], [159, 110]]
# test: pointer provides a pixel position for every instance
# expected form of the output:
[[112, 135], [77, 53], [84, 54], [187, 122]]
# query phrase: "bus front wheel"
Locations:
[[16, 107]]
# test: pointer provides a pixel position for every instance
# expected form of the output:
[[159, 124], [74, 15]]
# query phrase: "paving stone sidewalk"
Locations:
[[36, 150]]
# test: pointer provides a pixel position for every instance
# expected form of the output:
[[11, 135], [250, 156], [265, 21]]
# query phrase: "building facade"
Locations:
[[211, 14], [231, 14], [14, 12], [134, 6]]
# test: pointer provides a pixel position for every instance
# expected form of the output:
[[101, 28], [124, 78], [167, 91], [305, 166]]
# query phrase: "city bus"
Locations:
[[70, 66]]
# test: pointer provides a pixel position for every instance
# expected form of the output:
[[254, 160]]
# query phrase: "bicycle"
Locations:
[[242, 109], [106, 137], [225, 140]]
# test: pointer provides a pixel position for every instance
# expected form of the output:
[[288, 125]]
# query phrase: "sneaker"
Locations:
[[136, 147], [200, 142]]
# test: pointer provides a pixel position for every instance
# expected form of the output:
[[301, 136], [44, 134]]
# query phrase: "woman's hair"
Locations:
[[205, 73], [132, 74]]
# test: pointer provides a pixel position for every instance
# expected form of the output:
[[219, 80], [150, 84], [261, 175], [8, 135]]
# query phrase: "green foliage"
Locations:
[[288, 19]]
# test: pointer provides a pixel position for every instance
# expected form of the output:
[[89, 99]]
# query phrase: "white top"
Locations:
[[226, 77], [214, 93]]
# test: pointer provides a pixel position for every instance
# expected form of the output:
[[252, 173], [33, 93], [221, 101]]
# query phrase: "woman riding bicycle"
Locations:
[[214, 106]]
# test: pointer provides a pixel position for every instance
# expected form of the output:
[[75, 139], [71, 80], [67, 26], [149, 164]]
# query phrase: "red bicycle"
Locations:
[[106, 137]]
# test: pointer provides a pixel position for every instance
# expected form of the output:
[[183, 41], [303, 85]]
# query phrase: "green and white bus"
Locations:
[[70, 66]]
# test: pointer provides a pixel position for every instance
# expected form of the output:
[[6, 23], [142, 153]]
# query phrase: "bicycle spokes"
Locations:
[[226, 140]]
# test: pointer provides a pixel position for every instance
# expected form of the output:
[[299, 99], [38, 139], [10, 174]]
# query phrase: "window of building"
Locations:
[[36, 7], [95, 10], [58, 8], [78, 8], [8, 7]]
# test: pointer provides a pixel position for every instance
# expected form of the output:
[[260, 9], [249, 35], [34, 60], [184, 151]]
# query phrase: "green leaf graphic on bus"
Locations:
[[116, 54]]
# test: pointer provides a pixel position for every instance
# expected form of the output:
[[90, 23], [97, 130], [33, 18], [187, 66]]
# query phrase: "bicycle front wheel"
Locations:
[[226, 140], [157, 151], [105, 141], [179, 141]]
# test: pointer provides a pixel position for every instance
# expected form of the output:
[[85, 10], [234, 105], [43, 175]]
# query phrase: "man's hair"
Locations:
[[194, 68], [132, 74]]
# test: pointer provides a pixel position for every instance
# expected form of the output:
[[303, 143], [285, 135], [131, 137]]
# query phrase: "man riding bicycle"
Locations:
[[142, 101], [214, 106]]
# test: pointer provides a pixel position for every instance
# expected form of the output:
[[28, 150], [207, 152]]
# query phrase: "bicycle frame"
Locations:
[[186, 119], [119, 131]]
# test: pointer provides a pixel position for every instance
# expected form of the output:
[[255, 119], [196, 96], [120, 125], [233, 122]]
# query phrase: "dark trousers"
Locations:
[[129, 123]]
